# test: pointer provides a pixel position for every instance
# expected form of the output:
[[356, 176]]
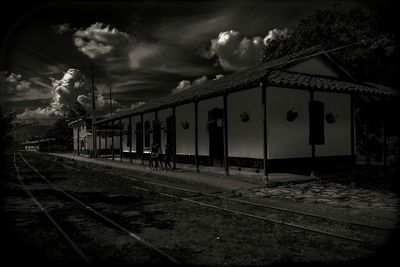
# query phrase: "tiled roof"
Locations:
[[321, 83], [272, 74]]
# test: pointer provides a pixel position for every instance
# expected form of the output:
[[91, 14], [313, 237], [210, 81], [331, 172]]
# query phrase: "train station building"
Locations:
[[296, 113]]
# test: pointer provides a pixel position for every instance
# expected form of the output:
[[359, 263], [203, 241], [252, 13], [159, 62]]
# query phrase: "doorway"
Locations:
[[216, 139]]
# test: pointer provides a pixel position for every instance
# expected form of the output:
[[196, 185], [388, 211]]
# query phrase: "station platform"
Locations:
[[211, 176]]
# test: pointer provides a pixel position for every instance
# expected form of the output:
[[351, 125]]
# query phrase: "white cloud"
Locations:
[[137, 104], [64, 91], [102, 104], [182, 85], [185, 84], [72, 87], [141, 51], [84, 100], [99, 39], [218, 76], [134, 105], [274, 34], [200, 80], [62, 28], [235, 52], [67, 89], [14, 82], [41, 114]]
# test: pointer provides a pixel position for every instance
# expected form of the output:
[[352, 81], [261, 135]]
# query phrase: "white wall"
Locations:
[[315, 65], [203, 108], [89, 142], [185, 138], [162, 117], [287, 139], [75, 137], [338, 134], [245, 139]]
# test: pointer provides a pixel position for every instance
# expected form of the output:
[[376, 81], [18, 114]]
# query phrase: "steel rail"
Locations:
[[244, 201], [52, 220], [120, 227], [254, 216], [256, 204]]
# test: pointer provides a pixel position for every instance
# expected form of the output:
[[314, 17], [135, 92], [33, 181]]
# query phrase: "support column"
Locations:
[[94, 141], [120, 139], [353, 134], [99, 135], [225, 131], [353, 130], [105, 129], [142, 137], [78, 139], [384, 137], [265, 132], [196, 135], [312, 174], [367, 144], [94, 133], [173, 138], [112, 140], [130, 138]]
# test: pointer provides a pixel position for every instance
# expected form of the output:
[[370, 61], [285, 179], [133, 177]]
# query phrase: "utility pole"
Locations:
[[94, 137]]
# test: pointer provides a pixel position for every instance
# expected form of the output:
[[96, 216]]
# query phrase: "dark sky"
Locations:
[[145, 48]]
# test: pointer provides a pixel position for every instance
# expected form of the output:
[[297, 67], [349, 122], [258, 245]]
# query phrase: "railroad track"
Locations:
[[85, 208], [360, 233]]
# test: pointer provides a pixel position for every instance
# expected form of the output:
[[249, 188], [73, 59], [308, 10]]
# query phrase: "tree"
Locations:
[[60, 129], [6, 129], [374, 61]]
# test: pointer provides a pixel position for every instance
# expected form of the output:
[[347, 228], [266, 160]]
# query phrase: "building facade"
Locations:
[[292, 114]]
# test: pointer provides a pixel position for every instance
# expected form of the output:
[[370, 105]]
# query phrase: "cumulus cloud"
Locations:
[[185, 84], [64, 91], [99, 39], [235, 52], [72, 87], [14, 82], [62, 28], [182, 85], [40, 114], [137, 104], [84, 100], [67, 89], [218, 76], [200, 80], [275, 34], [127, 108]]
